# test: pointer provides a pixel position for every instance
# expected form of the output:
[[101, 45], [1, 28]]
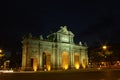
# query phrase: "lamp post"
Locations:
[[106, 54], [104, 48]]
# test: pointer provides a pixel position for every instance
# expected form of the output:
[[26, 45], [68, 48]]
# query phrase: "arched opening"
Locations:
[[34, 64], [46, 60], [65, 60], [84, 63], [76, 61]]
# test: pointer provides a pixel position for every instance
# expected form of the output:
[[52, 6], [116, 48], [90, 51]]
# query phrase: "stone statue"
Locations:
[[63, 29], [80, 43], [41, 37]]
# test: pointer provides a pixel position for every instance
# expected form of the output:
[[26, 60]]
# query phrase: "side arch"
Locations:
[[77, 60]]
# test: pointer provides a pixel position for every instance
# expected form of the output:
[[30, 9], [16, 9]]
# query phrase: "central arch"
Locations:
[[65, 60]]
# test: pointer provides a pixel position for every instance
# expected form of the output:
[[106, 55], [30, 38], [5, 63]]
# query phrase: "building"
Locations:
[[56, 52]]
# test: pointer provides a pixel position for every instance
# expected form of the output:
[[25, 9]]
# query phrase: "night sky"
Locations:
[[91, 21]]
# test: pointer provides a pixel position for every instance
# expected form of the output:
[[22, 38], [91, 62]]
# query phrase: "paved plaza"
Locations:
[[63, 75]]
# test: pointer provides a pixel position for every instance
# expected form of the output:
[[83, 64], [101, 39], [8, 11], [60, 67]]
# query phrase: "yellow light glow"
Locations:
[[77, 66], [84, 66], [35, 63], [35, 68], [66, 67], [84, 63], [1, 55], [65, 60], [48, 68], [76, 60]]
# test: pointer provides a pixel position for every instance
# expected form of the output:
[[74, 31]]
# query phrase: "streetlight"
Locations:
[[0, 50], [1, 54], [104, 47], [106, 53]]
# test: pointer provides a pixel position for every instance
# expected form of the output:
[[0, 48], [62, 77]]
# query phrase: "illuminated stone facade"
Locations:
[[56, 52]]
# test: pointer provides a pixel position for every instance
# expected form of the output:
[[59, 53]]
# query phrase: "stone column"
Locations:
[[23, 57], [37, 56], [40, 59], [58, 58], [53, 58], [71, 59], [28, 60], [80, 57]]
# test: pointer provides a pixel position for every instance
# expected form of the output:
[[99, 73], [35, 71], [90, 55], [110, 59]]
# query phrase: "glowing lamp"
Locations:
[[104, 47], [0, 51]]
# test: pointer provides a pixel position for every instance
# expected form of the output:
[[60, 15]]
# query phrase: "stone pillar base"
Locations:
[[40, 69], [22, 68], [26, 68]]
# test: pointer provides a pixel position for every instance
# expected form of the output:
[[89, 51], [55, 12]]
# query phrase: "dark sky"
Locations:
[[91, 21]]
